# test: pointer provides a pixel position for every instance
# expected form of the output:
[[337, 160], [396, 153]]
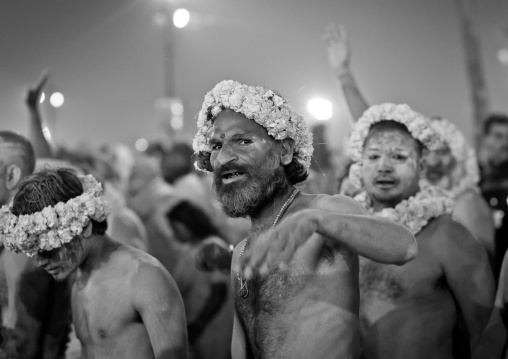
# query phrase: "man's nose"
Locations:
[[225, 156], [385, 165]]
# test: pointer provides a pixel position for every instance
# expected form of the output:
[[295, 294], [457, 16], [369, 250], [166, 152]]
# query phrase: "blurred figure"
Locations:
[[493, 159], [170, 240], [35, 308], [124, 303]]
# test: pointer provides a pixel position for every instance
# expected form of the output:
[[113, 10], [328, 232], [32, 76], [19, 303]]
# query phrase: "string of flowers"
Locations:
[[415, 212], [54, 225], [263, 106]]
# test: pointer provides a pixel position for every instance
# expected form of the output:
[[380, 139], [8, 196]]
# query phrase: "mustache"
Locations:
[[219, 171]]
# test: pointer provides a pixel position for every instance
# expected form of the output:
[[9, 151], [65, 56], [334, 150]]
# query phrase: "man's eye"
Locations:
[[373, 157], [216, 147], [244, 142], [399, 157]]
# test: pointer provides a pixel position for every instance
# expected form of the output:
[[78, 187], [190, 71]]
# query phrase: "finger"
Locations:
[[42, 81]]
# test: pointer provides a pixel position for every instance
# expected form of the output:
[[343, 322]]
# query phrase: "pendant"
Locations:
[[244, 288]]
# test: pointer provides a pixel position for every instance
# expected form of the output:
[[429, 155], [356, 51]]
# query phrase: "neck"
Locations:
[[100, 248], [264, 218], [380, 205]]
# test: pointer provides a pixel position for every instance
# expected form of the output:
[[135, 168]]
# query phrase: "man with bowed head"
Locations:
[[124, 303], [295, 276], [410, 311]]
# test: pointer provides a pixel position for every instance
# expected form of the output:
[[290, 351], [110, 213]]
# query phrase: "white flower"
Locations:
[[53, 226], [263, 106]]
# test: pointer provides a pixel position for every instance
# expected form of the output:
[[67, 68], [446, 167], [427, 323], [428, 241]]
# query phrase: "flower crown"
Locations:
[[464, 154], [263, 106], [54, 225], [418, 126]]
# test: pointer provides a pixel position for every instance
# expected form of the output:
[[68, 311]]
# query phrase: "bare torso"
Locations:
[[407, 311], [307, 311], [106, 321]]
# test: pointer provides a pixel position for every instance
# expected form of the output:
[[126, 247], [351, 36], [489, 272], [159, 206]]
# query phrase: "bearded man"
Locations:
[[124, 303], [295, 276], [410, 311]]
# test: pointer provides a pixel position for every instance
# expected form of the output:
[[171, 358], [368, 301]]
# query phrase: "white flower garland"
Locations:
[[263, 106], [53, 226], [466, 175], [415, 212], [418, 126]]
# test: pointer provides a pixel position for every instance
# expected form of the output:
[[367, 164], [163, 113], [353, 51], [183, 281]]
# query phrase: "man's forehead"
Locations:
[[234, 122], [390, 137]]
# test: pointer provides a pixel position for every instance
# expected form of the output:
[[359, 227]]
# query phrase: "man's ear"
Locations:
[[87, 231], [13, 177], [287, 151]]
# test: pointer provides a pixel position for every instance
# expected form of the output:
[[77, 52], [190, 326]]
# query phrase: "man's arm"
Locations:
[[160, 305], [339, 57], [339, 218], [474, 213], [468, 274], [39, 141]]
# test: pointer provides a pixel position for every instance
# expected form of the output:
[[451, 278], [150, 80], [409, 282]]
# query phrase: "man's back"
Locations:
[[126, 305]]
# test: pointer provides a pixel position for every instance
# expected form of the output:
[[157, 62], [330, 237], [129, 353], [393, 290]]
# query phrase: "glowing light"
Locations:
[[177, 122], [502, 56], [43, 97], [181, 18], [320, 108], [141, 144], [46, 132], [177, 108], [56, 99]]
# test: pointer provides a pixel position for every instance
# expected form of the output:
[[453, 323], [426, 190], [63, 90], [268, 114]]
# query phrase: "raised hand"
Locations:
[[278, 246], [34, 93], [337, 48]]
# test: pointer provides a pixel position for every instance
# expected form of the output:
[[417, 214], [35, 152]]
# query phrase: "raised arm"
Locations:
[[40, 143], [161, 308], [339, 218], [468, 274], [339, 56]]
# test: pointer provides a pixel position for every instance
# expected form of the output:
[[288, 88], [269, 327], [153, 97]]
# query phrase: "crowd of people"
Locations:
[[239, 246]]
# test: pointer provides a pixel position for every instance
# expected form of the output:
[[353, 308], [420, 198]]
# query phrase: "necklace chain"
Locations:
[[244, 289]]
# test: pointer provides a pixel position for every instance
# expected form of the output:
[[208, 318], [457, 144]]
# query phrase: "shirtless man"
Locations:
[[452, 167], [124, 303], [410, 311], [295, 276]]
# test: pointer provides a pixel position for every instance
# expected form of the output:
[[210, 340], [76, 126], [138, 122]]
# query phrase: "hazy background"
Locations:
[[107, 58]]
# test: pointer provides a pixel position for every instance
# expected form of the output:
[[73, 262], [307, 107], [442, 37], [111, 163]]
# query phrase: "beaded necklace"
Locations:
[[244, 289]]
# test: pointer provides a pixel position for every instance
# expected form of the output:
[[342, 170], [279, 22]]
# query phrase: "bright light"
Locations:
[[181, 18], [177, 108], [43, 97], [141, 144], [320, 108], [57, 99], [177, 122], [502, 56], [46, 132]]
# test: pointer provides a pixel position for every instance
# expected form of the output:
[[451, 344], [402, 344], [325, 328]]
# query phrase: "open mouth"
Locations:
[[231, 176]]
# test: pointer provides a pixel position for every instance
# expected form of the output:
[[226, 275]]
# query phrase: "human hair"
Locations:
[[194, 219], [177, 162], [389, 125], [26, 155], [494, 119], [48, 187]]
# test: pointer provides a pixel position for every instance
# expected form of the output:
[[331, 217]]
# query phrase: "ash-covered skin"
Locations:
[[391, 167]]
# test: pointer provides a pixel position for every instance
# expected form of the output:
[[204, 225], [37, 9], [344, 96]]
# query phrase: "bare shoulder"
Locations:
[[472, 201], [336, 203], [446, 235]]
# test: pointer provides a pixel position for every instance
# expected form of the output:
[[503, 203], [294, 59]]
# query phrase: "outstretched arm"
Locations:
[[40, 143], [341, 219], [161, 308], [339, 56], [468, 274]]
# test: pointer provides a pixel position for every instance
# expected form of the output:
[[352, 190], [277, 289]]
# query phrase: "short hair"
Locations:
[[48, 187], [177, 162], [494, 119], [197, 222], [389, 125], [23, 147]]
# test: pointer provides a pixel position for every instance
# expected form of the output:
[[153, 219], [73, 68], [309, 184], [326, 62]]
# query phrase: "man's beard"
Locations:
[[248, 196]]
